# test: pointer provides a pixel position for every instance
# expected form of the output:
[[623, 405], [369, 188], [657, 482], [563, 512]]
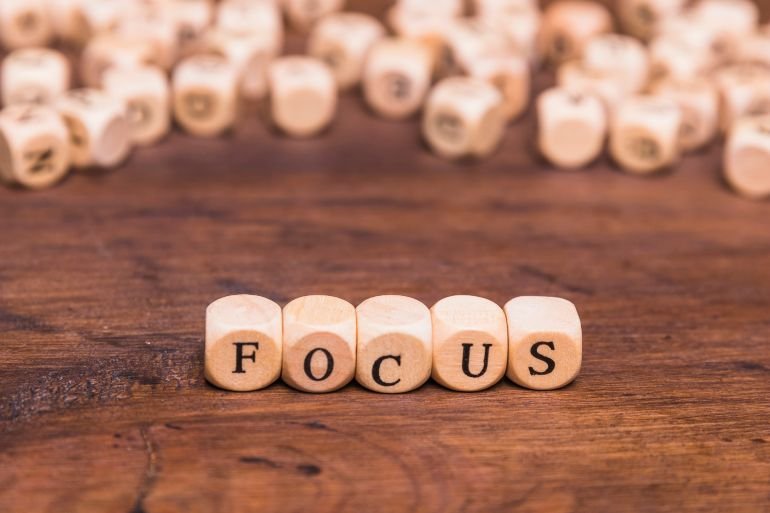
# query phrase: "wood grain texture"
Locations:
[[105, 280]]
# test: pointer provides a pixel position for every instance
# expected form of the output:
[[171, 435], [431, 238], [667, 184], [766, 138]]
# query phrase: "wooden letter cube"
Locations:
[[568, 25], [34, 146], [747, 157], [145, 92], [464, 117], [397, 76], [255, 19], [394, 344], [644, 134], [303, 14], [205, 95], [100, 134], [640, 18], [319, 343], [343, 41], [303, 95], [730, 20], [244, 343], [24, 23], [675, 58], [572, 127], [622, 56], [470, 343], [545, 342], [744, 91], [576, 77], [698, 99], [34, 75], [510, 74], [250, 54], [113, 50]]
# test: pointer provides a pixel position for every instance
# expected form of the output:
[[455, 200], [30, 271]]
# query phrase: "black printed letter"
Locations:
[[467, 360], [239, 356], [329, 364], [550, 363], [376, 370]]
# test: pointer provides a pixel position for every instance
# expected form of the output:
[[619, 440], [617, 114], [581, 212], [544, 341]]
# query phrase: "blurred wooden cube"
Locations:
[[319, 343], [470, 343], [303, 14], [572, 127], [99, 133], [244, 343], [744, 90], [575, 76], [396, 78], [698, 100], [619, 55], [672, 57], [644, 134], [343, 41], [34, 75], [464, 117], [35, 146], [395, 344], [567, 25], [113, 50], [511, 75], [145, 93], [254, 19], [642, 18], [747, 157], [303, 95], [204, 90], [250, 54], [24, 23]]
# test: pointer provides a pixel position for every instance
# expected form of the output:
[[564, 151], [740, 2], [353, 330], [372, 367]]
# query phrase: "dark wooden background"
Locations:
[[105, 278]]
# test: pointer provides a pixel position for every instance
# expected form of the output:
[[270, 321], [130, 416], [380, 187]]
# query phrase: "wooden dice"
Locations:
[[113, 50], [575, 76], [621, 56], [256, 19], [566, 27], [747, 157], [33, 75], [744, 90], [644, 134], [572, 127], [249, 53], [319, 343], [244, 343], [510, 75], [470, 343], [397, 77], [34, 146], [303, 95], [463, 117], [145, 93], [24, 23], [698, 100], [303, 14], [545, 342], [641, 18], [394, 344], [205, 95], [343, 41], [99, 133]]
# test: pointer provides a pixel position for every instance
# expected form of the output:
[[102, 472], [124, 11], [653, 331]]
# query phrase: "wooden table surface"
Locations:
[[105, 278]]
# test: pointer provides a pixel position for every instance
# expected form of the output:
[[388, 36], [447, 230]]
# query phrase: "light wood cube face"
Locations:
[[145, 93], [622, 56], [519, 21], [672, 57], [744, 90], [192, 19], [250, 54], [205, 95], [572, 127], [99, 133], [67, 21], [644, 135], [568, 25], [435, 8], [545, 342], [747, 157], [343, 41], [303, 14], [24, 23], [34, 146], [510, 75], [33, 75], [254, 19], [395, 350], [155, 27], [698, 100], [108, 50], [244, 343], [397, 76], [319, 343], [464, 117], [470, 343], [303, 95], [730, 20], [575, 76], [471, 39], [641, 18]]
